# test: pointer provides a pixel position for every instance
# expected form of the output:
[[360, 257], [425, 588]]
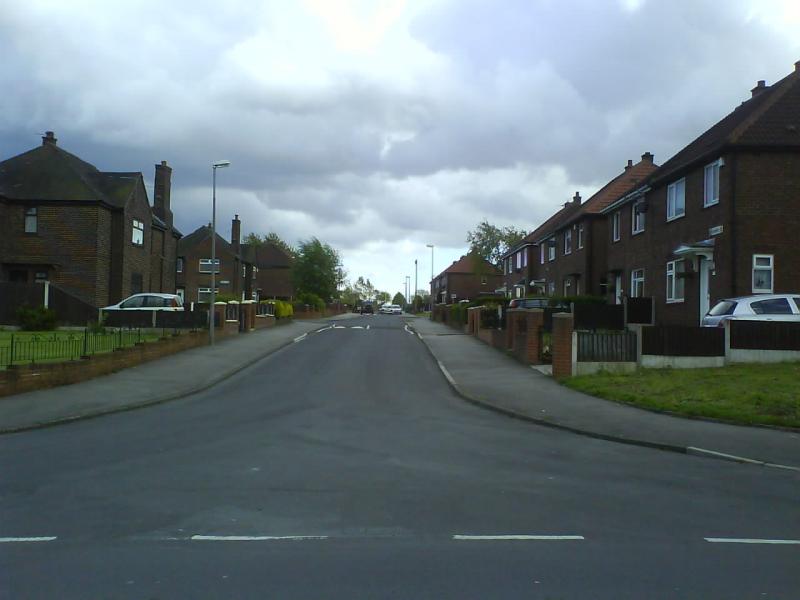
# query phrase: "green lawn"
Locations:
[[765, 394], [60, 345]]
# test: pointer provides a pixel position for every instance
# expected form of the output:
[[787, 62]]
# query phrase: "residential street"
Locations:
[[344, 466]]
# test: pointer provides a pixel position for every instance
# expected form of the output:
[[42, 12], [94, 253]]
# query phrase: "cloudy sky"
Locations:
[[381, 126]]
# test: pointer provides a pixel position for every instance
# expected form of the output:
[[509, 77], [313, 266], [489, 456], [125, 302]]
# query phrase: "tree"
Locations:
[[364, 288], [399, 299], [317, 269], [382, 297], [271, 238], [491, 242]]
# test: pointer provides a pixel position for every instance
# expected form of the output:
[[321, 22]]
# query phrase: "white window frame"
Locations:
[[31, 220], [567, 287], [551, 288], [541, 253], [551, 249], [567, 242], [524, 257], [676, 190], [205, 290], [519, 260], [634, 281], [711, 179], [676, 289], [179, 265], [637, 226], [204, 265], [770, 268], [137, 227], [580, 236], [616, 220]]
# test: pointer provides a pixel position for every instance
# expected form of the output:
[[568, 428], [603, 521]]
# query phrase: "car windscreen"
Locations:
[[135, 302], [726, 307]]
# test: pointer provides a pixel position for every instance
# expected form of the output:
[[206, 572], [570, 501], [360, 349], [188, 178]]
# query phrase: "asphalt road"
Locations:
[[355, 467]]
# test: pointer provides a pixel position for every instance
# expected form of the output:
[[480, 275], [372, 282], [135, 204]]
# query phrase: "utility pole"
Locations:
[[416, 284]]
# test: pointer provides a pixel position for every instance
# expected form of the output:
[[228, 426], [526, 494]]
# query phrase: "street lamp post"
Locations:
[[416, 285], [431, 300], [220, 164]]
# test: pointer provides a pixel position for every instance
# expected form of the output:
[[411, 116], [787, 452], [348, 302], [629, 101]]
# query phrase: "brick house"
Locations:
[[518, 266], [719, 218], [271, 271], [90, 232], [465, 279], [234, 274], [572, 244]]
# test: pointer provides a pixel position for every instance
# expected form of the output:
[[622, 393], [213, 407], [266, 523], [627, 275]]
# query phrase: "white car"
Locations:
[[761, 307], [385, 309], [395, 309], [149, 301]]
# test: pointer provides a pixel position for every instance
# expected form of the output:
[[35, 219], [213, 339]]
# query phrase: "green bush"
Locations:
[[315, 302], [458, 313], [36, 319], [283, 310], [227, 297]]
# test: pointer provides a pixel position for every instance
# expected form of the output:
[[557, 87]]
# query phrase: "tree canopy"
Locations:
[[317, 269], [399, 299], [491, 242], [271, 238]]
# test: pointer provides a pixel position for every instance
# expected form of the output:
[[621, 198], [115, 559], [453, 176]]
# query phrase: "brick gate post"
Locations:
[[562, 345]]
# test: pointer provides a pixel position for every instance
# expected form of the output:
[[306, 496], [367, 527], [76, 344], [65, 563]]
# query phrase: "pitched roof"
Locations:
[[266, 255], [466, 264], [771, 117], [625, 182], [199, 235], [51, 173]]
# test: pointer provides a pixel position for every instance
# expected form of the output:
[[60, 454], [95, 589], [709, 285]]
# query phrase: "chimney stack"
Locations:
[[236, 231], [629, 165], [797, 67], [760, 87], [576, 199], [647, 157], [49, 138], [161, 193]]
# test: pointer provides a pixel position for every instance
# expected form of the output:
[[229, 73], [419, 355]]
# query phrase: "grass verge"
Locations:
[[762, 394]]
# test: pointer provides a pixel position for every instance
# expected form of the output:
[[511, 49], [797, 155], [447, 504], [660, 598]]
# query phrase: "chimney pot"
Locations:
[[236, 229], [576, 199], [49, 138], [760, 87], [647, 157], [161, 193], [629, 165]]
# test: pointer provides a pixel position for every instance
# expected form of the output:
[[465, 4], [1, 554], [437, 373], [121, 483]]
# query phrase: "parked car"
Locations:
[[395, 309], [761, 307], [366, 309], [385, 309], [534, 303], [152, 301]]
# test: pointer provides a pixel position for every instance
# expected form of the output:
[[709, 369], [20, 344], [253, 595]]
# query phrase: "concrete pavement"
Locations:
[[488, 377], [153, 382]]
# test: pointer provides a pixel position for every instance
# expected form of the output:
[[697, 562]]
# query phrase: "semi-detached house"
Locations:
[[720, 218]]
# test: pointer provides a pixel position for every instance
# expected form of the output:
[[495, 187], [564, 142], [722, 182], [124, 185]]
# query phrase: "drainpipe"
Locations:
[[734, 165]]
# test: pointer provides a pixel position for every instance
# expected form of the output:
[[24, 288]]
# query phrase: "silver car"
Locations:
[[761, 307], [151, 301]]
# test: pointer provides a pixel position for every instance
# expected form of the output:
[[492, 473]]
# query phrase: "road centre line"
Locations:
[[751, 541], [255, 538], [541, 538], [356, 327], [300, 338], [11, 540], [323, 329]]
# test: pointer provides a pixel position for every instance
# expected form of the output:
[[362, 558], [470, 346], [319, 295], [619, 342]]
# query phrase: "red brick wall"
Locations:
[[562, 345]]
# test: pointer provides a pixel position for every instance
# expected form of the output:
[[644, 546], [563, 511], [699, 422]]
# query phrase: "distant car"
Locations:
[[534, 303], [395, 309], [385, 309], [761, 307], [366, 309], [152, 301]]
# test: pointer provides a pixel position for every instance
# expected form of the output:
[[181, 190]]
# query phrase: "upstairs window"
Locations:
[[551, 249], [615, 221], [580, 236], [519, 260], [711, 187], [541, 254], [676, 199], [205, 265], [31, 220], [568, 241], [179, 265], [137, 237], [762, 273], [524, 257], [637, 218]]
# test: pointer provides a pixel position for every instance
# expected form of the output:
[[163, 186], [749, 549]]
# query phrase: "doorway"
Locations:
[[704, 271]]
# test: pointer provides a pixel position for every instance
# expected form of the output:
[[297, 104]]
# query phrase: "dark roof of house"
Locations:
[[771, 117], [554, 223], [199, 235], [51, 173], [622, 184], [266, 256], [466, 264]]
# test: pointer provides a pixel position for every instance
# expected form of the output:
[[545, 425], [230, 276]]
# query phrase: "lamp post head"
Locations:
[[429, 245], [220, 164]]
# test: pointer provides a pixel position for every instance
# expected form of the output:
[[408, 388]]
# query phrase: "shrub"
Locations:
[[227, 297], [312, 300], [458, 313], [283, 310], [36, 319]]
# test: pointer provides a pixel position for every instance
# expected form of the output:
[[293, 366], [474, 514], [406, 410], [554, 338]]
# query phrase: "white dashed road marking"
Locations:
[[255, 538], [12, 540], [751, 541], [300, 338]]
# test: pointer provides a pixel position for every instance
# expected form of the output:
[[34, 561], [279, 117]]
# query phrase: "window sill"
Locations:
[[616, 240], [675, 218], [633, 233], [762, 291], [681, 301], [710, 204]]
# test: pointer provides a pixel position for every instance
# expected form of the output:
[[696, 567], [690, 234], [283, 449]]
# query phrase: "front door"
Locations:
[[705, 286], [618, 288]]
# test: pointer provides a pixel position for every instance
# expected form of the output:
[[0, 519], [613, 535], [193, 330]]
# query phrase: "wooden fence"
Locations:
[[765, 335], [612, 346], [683, 341], [592, 317]]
